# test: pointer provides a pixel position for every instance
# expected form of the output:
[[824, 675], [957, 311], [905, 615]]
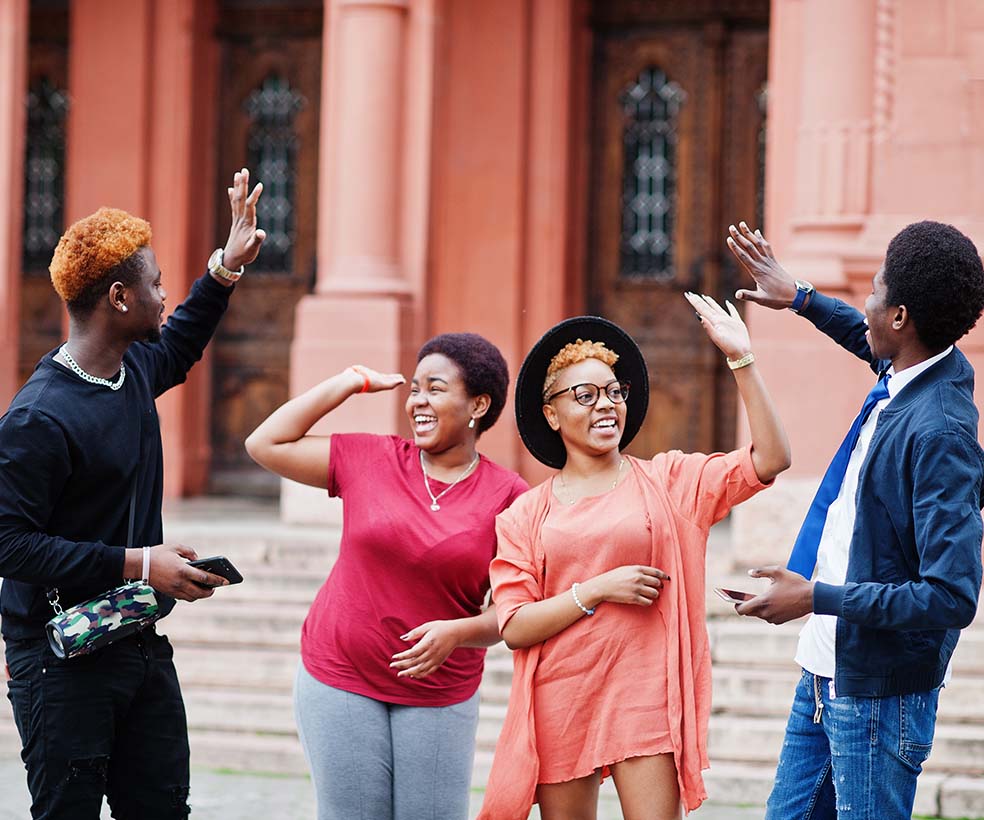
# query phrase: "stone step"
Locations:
[[267, 713], [741, 641], [957, 749], [753, 691]]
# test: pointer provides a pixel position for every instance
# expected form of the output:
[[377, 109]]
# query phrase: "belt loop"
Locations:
[[818, 711]]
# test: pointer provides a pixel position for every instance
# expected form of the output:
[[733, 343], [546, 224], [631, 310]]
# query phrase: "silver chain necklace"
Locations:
[[434, 505], [78, 371], [570, 495]]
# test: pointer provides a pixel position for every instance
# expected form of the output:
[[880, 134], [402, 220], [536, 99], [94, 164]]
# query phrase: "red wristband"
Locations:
[[365, 384]]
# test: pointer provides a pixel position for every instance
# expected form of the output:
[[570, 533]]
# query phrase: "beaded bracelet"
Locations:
[[577, 601]]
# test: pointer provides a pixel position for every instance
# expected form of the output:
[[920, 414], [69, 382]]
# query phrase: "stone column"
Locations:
[[834, 159], [143, 72], [13, 90], [822, 114], [362, 308]]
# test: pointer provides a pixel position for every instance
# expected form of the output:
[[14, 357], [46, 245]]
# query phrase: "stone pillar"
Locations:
[[822, 115], [143, 72], [13, 89], [371, 215]]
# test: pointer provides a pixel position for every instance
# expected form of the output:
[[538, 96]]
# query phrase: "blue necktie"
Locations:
[[803, 558]]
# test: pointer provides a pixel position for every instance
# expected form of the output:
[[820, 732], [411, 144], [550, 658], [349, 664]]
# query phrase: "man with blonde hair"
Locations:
[[81, 483]]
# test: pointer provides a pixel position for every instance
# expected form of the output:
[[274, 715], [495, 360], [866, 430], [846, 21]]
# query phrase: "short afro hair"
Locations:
[[482, 365], [93, 253], [935, 271]]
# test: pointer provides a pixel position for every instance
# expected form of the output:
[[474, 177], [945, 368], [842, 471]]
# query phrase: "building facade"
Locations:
[[493, 166]]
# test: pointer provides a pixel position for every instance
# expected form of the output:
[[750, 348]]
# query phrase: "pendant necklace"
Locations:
[[570, 495], [434, 505]]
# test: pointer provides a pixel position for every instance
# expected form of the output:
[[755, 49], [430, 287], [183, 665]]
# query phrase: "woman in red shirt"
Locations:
[[392, 649]]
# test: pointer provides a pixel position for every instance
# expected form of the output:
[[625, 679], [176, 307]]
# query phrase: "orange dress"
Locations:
[[580, 541], [675, 497]]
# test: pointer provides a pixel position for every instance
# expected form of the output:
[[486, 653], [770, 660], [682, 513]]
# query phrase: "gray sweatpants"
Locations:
[[379, 761]]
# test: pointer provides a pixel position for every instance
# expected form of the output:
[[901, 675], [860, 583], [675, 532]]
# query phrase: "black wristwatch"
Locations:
[[803, 291]]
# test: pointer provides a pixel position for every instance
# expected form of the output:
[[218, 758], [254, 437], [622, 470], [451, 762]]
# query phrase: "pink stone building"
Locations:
[[435, 165]]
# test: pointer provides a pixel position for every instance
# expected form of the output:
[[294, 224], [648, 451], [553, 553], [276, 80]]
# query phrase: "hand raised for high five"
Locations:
[[724, 327], [774, 287], [245, 238]]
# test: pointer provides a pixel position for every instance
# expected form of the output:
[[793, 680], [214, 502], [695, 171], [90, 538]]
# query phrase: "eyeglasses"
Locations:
[[587, 394]]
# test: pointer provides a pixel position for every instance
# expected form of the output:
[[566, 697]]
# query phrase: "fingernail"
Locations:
[[404, 637]]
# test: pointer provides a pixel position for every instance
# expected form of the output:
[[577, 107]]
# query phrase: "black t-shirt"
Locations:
[[70, 452]]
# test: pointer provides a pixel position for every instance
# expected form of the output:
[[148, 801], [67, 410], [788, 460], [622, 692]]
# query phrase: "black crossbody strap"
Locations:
[[133, 512], [52, 592]]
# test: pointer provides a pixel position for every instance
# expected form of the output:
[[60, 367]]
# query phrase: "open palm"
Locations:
[[724, 327]]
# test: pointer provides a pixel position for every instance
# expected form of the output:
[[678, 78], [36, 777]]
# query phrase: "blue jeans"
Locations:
[[859, 762]]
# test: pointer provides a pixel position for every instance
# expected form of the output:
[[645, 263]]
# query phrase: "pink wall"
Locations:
[[139, 78], [876, 120], [13, 81], [501, 211]]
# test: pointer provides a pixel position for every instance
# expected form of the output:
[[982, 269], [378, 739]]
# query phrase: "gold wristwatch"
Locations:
[[216, 267]]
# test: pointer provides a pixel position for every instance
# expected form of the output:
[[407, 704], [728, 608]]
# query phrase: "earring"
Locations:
[[471, 424], [124, 308]]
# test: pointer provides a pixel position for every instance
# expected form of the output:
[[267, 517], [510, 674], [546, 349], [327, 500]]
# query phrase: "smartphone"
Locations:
[[218, 565], [733, 596]]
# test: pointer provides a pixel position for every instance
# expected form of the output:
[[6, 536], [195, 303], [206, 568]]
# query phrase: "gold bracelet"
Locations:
[[744, 361]]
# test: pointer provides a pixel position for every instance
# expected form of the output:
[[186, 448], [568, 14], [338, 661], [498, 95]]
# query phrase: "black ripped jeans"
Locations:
[[109, 723]]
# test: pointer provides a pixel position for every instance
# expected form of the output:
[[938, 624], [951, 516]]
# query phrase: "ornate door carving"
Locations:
[[677, 152], [269, 111]]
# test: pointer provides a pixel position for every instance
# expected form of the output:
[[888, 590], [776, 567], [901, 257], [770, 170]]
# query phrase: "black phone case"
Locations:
[[219, 565]]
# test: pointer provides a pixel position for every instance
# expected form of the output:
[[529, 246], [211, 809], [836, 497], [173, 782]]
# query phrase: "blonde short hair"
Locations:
[[574, 353], [91, 247]]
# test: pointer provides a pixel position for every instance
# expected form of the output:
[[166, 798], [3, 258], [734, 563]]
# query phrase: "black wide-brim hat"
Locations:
[[546, 444]]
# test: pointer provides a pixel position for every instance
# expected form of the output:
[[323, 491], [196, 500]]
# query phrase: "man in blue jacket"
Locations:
[[894, 532]]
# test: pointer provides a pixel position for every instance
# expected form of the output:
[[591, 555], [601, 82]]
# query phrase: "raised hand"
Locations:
[[376, 381], [245, 238], [724, 327], [774, 287]]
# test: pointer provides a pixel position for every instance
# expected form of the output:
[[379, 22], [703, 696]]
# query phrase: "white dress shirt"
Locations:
[[816, 651]]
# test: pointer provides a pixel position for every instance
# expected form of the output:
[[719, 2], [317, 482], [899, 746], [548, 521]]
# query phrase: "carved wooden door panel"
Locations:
[[677, 124], [269, 112]]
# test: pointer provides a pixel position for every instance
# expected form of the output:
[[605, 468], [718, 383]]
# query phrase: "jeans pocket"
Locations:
[[20, 694], [917, 725]]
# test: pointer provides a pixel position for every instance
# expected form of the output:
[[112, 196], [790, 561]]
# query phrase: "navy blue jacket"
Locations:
[[914, 572]]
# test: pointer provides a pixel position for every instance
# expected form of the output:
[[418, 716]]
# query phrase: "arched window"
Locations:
[[44, 174], [650, 106], [272, 153]]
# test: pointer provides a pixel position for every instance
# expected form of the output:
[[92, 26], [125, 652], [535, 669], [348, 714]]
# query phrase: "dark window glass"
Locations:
[[44, 174], [650, 108], [272, 158]]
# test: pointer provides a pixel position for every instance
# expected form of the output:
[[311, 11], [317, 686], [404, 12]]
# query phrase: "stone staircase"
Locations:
[[237, 654]]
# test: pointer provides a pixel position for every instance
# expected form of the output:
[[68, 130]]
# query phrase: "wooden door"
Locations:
[[48, 100], [269, 113], [677, 155]]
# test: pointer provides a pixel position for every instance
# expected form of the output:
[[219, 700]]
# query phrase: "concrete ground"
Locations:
[[229, 796]]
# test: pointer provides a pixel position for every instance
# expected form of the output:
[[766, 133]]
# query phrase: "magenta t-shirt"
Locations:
[[400, 564]]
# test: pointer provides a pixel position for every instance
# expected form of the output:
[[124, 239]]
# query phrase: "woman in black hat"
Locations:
[[599, 579]]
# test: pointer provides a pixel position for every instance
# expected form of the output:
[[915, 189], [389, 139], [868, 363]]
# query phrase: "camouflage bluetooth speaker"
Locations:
[[92, 624]]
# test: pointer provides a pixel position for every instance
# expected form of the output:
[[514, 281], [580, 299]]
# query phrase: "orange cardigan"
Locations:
[[692, 491]]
